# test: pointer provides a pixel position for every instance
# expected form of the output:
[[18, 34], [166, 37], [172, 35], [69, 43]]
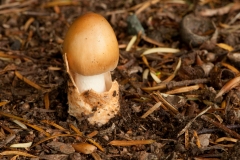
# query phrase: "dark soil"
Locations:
[[192, 123]]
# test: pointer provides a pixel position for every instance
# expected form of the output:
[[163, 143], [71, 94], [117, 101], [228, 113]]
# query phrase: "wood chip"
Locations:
[[84, 148]]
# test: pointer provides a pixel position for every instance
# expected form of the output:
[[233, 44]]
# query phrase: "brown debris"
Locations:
[[61, 147]]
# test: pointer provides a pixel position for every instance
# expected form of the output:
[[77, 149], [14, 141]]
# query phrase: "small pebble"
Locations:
[[134, 25], [25, 106]]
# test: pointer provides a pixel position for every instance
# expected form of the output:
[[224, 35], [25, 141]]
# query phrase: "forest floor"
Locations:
[[178, 74]]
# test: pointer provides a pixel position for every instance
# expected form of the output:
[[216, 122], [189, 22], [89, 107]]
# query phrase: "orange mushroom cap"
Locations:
[[91, 45]]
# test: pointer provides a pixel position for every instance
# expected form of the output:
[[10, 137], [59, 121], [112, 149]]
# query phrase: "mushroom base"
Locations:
[[97, 108]]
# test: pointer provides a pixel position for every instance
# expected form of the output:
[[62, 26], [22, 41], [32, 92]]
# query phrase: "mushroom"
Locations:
[[90, 52]]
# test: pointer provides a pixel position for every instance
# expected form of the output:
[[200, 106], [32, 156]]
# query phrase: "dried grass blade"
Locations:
[[166, 103], [131, 143], [222, 139], [218, 11], [228, 86], [176, 1], [29, 82], [175, 71], [38, 129], [96, 144], [55, 125], [20, 123], [149, 40], [145, 61], [55, 136], [235, 70], [21, 145], [145, 74], [131, 42], [197, 139], [51, 68], [13, 117], [3, 103], [225, 46], [75, 129], [163, 50], [28, 23], [146, 5], [7, 56], [152, 109], [92, 134], [6, 153], [158, 87], [13, 10], [183, 89], [46, 100], [155, 77], [3, 55]]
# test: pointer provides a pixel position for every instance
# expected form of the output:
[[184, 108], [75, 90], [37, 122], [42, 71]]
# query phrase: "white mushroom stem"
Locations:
[[96, 83]]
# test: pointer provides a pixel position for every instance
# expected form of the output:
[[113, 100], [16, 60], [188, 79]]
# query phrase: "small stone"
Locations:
[[84, 148], [134, 25], [204, 139], [25, 106], [17, 61]]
